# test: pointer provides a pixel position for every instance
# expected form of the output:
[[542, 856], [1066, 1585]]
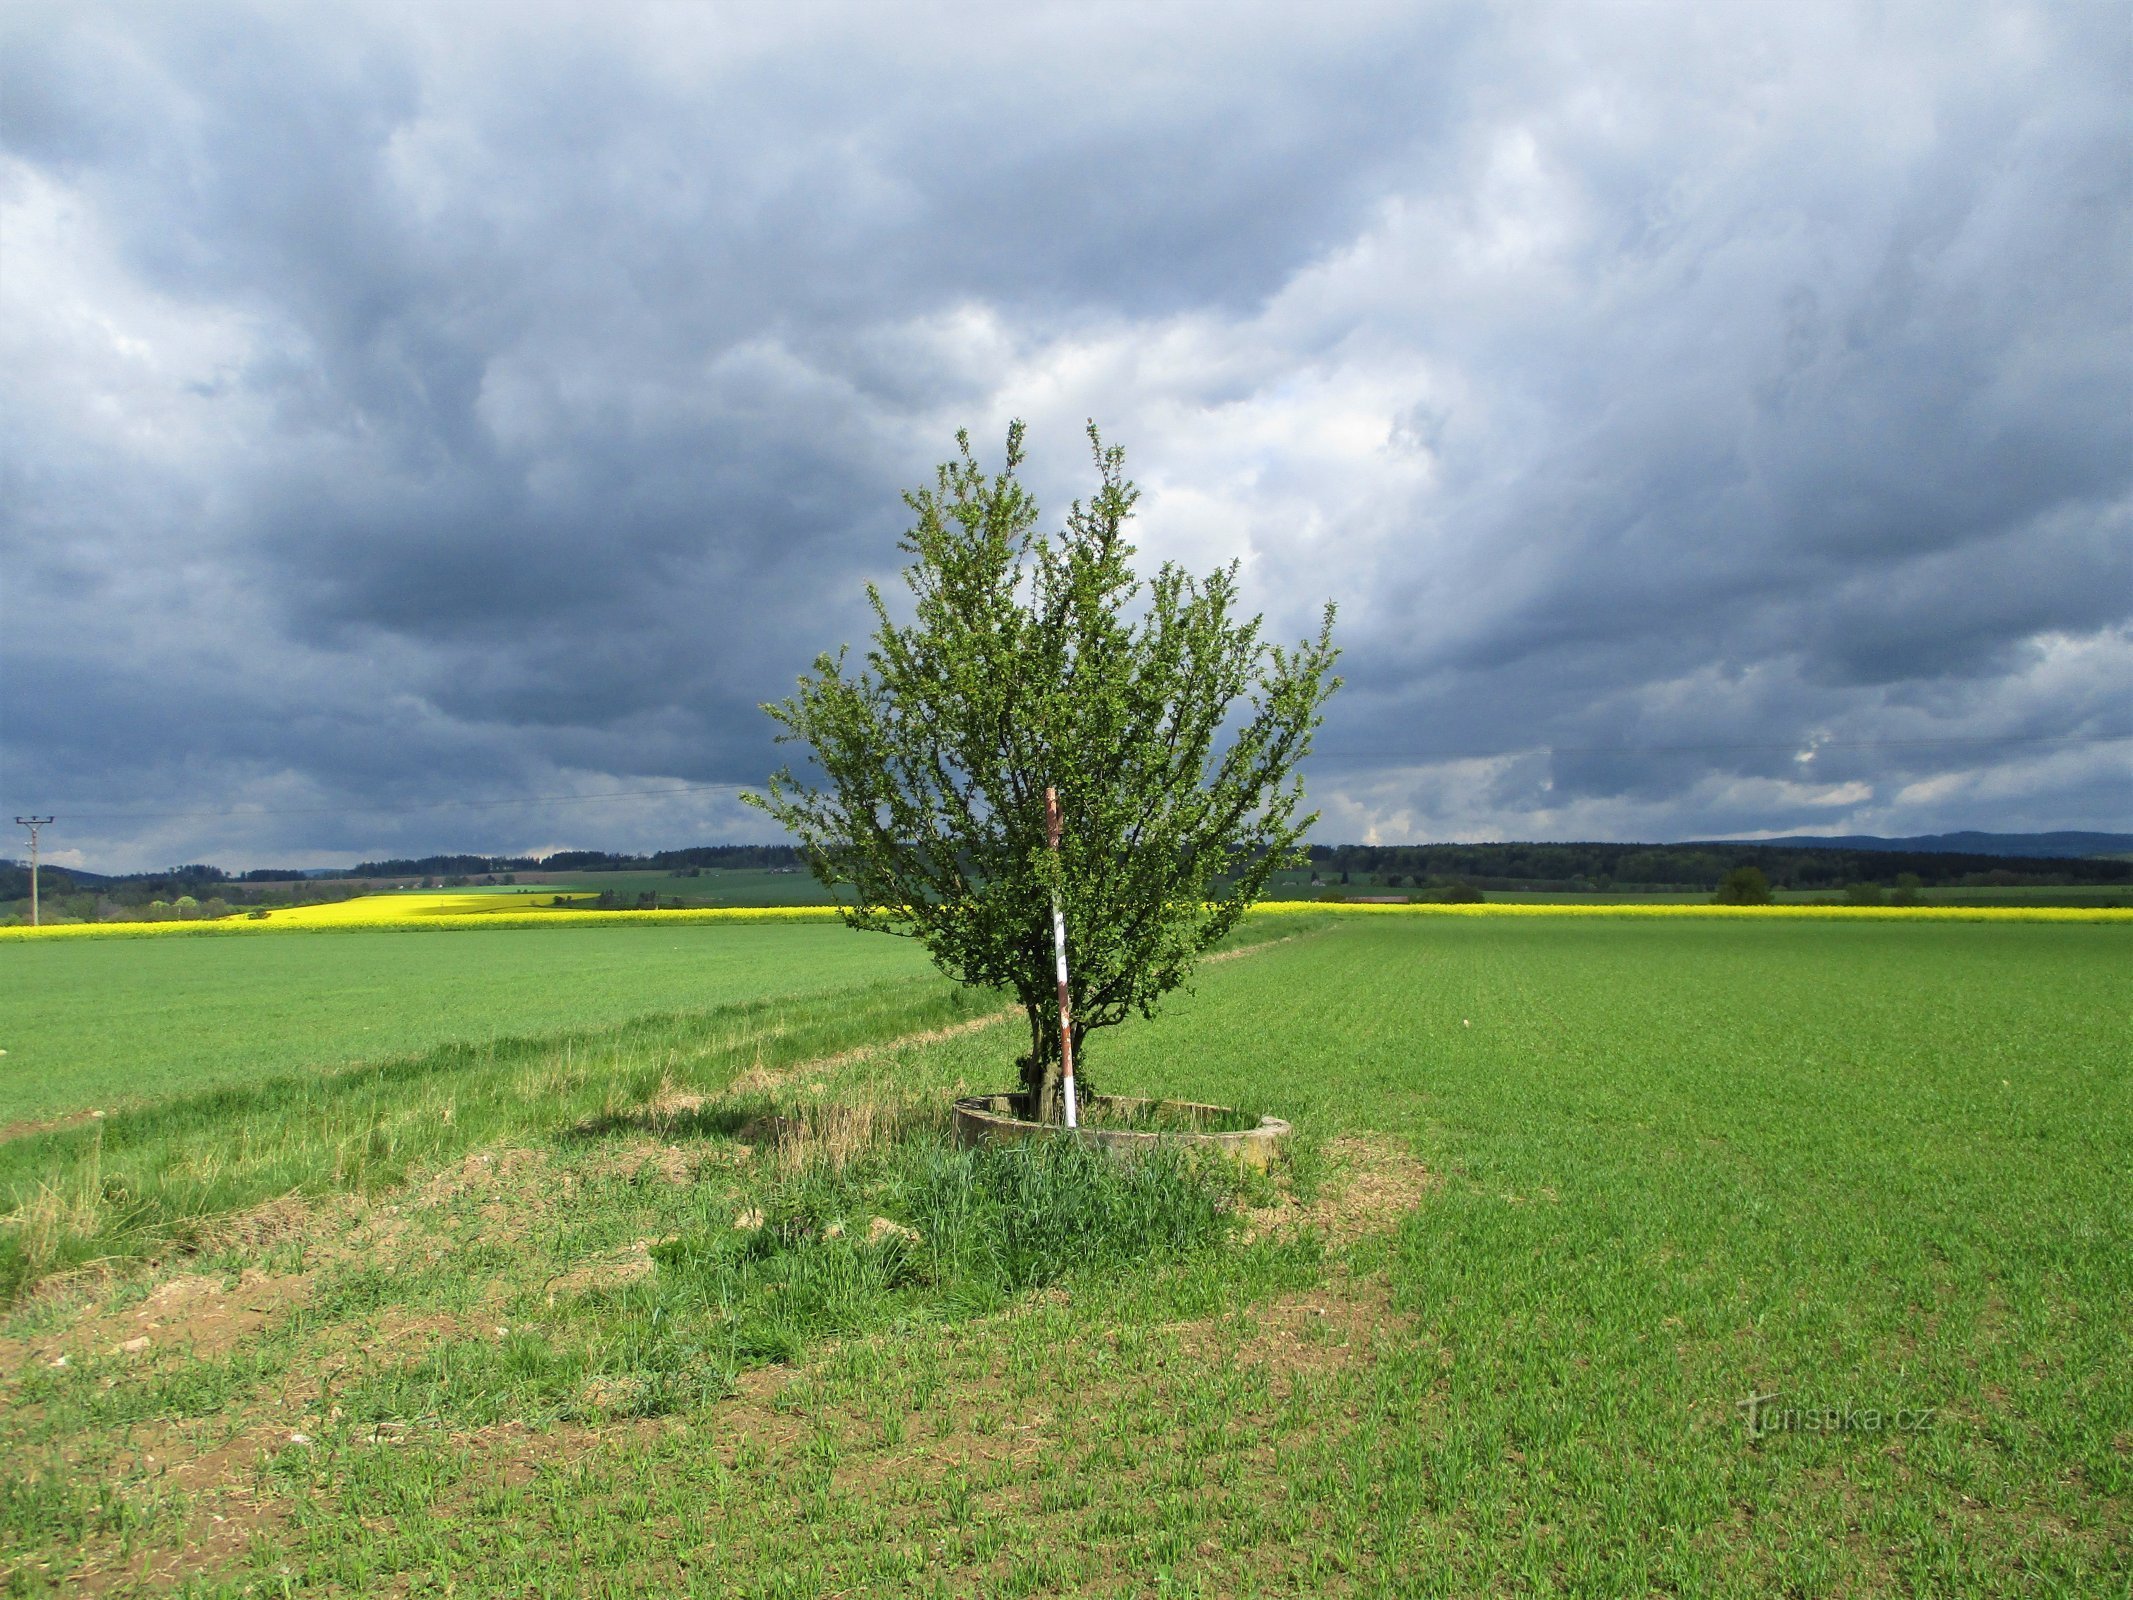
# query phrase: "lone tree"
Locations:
[[1743, 886], [1169, 727]]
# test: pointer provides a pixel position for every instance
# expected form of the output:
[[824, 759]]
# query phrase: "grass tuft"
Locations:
[[914, 1229]]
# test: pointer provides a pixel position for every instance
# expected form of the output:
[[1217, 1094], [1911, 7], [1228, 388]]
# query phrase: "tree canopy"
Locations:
[[1169, 725]]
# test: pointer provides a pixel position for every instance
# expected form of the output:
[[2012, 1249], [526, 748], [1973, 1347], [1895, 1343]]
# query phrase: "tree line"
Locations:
[[734, 857], [187, 893], [198, 889], [1596, 867]]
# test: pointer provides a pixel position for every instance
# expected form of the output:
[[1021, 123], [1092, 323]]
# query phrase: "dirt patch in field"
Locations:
[[642, 1162], [1338, 1325], [1373, 1184], [194, 1312], [616, 1270], [509, 1191], [211, 1316], [481, 1172], [212, 1455], [673, 1103], [201, 1313], [216, 1541], [202, 1457], [36, 1125]]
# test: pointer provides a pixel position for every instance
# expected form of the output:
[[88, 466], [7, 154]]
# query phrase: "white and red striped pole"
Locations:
[[1066, 1005]]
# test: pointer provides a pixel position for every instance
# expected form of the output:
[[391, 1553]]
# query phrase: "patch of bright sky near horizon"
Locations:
[[1708, 420]]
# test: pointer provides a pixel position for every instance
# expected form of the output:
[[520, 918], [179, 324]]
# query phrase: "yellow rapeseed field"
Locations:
[[419, 911], [448, 910], [376, 910]]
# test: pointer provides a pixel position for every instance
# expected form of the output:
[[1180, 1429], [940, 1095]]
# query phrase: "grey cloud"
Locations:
[[557, 383], [1906, 469]]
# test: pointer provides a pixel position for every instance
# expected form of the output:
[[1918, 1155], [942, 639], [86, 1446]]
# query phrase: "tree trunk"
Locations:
[[1041, 1067]]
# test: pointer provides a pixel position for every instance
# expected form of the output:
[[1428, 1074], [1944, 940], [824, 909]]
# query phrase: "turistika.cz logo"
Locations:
[[1765, 1416]]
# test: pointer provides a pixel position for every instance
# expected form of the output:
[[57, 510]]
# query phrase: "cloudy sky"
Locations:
[[1709, 419]]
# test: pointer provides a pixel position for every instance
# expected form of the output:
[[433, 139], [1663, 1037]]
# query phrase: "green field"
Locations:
[[555, 1315], [714, 886], [90, 1023]]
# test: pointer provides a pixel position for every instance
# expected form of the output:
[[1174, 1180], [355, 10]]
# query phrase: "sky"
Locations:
[[439, 428]]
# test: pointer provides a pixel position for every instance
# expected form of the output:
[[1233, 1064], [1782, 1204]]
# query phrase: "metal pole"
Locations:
[[33, 824], [1066, 1005]]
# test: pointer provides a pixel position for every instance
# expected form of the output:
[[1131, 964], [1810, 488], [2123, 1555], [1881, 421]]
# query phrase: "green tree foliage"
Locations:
[[1743, 886], [1170, 727]]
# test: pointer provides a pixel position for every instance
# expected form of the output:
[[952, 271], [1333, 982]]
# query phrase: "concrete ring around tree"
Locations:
[[996, 1118]]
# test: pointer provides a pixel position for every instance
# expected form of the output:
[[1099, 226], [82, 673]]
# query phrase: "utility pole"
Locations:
[[33, 824]]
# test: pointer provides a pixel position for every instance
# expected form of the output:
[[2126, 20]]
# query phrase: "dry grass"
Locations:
[[764, 1080], [57, 1217]]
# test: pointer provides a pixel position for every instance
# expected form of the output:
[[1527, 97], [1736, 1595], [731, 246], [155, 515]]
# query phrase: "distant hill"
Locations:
[[15, 879], [2073, 846]]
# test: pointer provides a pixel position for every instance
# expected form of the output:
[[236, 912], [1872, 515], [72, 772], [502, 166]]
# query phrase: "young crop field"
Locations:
[[94, 1023], [711, 886], [666, 1282]]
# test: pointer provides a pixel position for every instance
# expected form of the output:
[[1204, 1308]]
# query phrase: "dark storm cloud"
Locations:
[[421, 405]]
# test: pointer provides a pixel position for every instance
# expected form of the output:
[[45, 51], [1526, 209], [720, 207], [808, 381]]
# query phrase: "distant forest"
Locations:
[[731, 856], [1600, 867], [200, 891], [1559, 868]]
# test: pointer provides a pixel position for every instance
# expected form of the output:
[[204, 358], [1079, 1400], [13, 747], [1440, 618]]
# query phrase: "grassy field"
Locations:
[[714, 886], [97, 1023], [701, 1305]]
